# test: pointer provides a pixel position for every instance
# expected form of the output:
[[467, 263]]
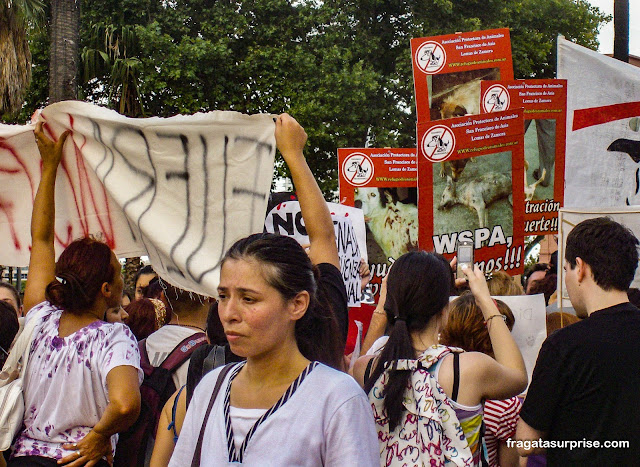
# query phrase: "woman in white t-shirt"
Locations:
[[81, 384], [282, 406]]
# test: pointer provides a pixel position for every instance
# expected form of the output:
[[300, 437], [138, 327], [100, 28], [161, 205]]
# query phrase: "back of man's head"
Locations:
[[610, 249], [180, 301]]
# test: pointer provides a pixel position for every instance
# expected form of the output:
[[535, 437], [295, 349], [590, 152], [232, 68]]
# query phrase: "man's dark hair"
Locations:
[[531, 269], [148, 269], [553, 262], [547, 285], [609, 248]]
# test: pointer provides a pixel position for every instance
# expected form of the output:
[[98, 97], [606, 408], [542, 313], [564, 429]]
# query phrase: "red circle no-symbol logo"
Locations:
[[496, 99], [357, 169], [430, 57], [438, 143]]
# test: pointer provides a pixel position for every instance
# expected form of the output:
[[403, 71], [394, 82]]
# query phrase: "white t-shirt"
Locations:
[[65, 383], [160, 344], [325, 421]]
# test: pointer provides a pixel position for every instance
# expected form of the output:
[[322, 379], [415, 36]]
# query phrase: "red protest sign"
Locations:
[[545, 112], [470, 187], [447, 71]]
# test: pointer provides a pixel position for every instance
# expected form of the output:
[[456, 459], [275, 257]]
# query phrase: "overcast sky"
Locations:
[[606, 33]]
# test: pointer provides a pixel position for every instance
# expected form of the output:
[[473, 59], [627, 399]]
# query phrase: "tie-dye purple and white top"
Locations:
[[65, 383]]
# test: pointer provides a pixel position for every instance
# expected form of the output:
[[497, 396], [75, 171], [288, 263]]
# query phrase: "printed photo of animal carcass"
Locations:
[[457, 94], [540, 158], [479, 195], [391, 218]]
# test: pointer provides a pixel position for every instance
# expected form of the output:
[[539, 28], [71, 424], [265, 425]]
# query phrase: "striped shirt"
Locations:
[[500, 419]]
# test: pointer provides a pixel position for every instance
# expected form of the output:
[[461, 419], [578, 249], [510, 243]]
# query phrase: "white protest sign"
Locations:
[[180, 190], [629, 216], [602, 165], [348, 222], [530, 328]]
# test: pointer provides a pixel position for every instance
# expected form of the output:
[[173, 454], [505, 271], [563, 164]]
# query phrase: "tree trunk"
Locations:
[[15, 64], [63, 67], [131, 266]]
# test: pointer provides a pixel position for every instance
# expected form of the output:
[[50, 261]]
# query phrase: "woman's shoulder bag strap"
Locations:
[[195, 462]]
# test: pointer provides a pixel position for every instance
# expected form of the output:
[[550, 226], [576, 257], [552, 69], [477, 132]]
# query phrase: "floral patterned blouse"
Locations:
[[65, 383], [430, 433]]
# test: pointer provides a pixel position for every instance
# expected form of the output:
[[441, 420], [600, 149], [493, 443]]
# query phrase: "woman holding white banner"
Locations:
[[282, 406], [74, 355]]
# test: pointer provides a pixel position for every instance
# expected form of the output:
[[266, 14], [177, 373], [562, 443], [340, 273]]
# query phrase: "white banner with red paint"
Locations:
[[180, 190], [602, 165]]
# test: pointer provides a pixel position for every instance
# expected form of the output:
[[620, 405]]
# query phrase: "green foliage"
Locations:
[[110, 62], [342, 68]]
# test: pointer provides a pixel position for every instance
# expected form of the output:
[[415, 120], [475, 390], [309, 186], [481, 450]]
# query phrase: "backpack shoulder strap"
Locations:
[[182, 352], [214, 359], [145, 363]]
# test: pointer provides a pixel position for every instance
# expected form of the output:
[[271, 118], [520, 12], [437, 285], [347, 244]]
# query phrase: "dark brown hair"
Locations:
[[8, 328], [142, 318], [80, 272], [547, 285], [290, 271]]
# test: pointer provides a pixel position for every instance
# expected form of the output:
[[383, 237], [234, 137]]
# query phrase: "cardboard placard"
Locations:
[[470, 187], [447, 71], [530, 327], [383, 182], [348, 223], [545, 101]]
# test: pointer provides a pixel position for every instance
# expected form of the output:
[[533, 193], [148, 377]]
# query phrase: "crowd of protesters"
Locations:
[[264, 380]]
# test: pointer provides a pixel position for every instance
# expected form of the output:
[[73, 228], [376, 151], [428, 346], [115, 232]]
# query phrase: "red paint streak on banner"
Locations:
[[584, 118], [7, 208], [9, 171], [107, 230], [86, 197], [6, 146]]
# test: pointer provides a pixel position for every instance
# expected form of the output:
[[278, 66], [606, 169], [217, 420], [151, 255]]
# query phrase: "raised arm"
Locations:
[[508, 376], [290, 139], [42, 262], [378, 323]]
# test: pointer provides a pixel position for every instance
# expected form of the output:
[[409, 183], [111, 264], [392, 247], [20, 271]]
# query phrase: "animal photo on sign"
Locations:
[[457, 94], [391, 218], [540, 157], [481, 196]]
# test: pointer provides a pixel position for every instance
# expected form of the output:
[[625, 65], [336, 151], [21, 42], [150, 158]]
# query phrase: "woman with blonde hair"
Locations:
[[502, 284], [466, 329]]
